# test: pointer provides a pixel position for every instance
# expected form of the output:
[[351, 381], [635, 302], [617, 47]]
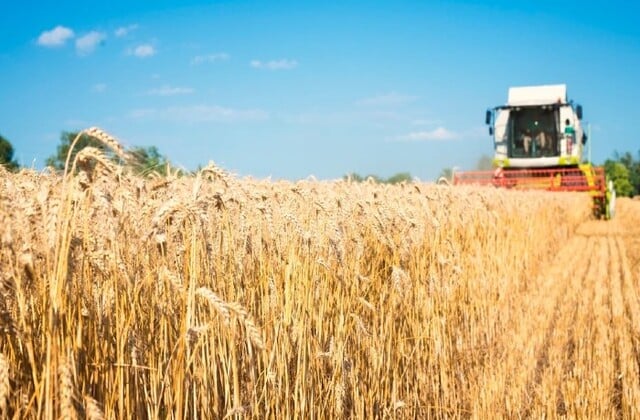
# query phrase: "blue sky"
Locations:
[[292, 89]]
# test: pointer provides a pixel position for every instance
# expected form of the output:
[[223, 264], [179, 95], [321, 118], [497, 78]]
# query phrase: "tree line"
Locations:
[[623, 169], [144, 160], [393, 179]]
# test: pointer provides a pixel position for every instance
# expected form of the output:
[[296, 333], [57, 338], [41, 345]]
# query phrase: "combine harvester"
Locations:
[[538, 141]]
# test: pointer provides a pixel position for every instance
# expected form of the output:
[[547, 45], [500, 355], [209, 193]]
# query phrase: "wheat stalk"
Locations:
[[5, 384]]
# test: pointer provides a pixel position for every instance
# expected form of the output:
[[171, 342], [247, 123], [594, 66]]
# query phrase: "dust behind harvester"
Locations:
[[538, 144]]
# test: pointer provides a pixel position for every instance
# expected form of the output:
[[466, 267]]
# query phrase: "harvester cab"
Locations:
[[537, 128], [538, 142]]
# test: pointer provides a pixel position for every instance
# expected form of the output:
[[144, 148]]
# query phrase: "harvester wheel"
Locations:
[[611, 200], [600, 208]]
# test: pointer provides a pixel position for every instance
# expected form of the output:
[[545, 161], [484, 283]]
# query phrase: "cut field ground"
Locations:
[[570, 346], [209, 296]]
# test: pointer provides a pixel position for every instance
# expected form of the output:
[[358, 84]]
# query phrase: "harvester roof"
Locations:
[[537, 95]]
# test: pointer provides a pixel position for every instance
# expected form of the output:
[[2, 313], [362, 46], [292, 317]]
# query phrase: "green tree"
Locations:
[[635, 175], [146, 160], [393, 179], [446, 173], [619, 174], [633, 166], [375, 178], [484, 163], [399, 177], [6, 155], [66, 139], [354, 177]]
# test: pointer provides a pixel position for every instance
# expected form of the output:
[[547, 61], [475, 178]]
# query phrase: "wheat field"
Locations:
[[211, 296]]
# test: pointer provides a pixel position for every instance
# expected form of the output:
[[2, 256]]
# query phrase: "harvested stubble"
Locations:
[[210, 296]]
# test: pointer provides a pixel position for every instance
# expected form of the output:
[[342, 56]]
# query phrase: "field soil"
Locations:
[[571, 345]]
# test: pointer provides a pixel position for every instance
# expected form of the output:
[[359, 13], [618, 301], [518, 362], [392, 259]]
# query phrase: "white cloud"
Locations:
[[86, 44], [437, 134], [56, 37], [200, 114], [283, 64], [167, 90], [142, 51], [389, 99], [99, 88], [423, 122], [209, 58], [125, 30]]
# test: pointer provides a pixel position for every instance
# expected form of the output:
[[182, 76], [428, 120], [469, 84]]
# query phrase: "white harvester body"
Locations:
[[537, 128]]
